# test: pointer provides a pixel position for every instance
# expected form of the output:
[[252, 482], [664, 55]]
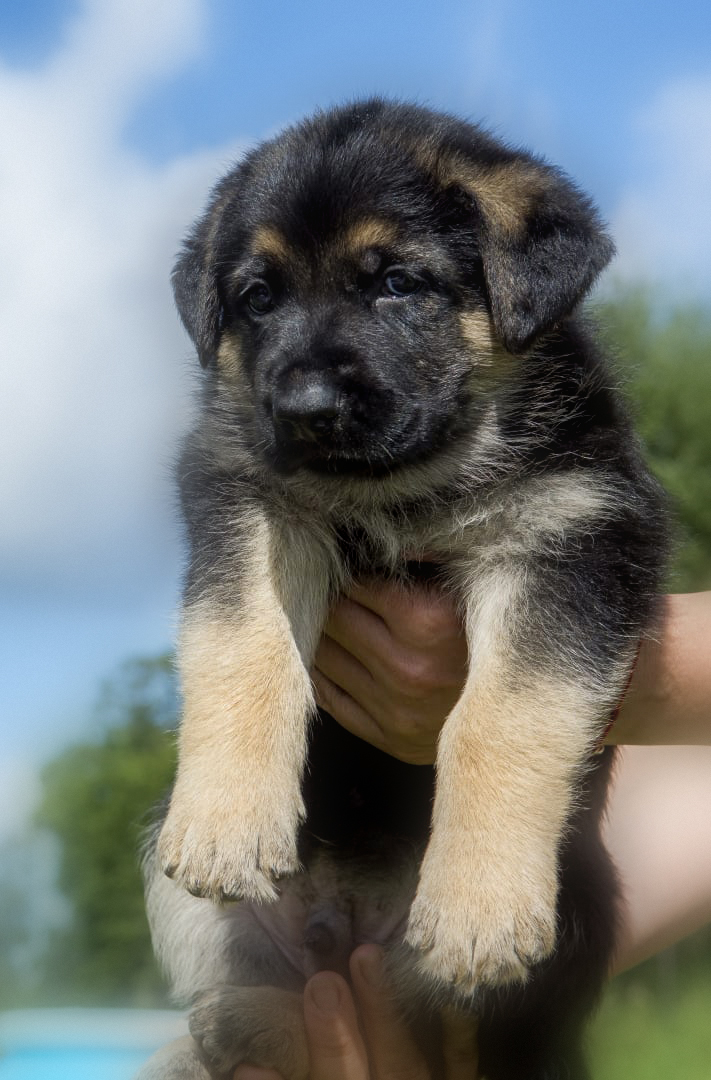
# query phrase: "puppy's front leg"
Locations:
[[507, 763], [231, 828]]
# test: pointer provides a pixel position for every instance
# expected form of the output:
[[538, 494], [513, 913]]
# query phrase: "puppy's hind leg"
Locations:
[[223, 962], [178, 1060], [232, 1026], [259, 1025]]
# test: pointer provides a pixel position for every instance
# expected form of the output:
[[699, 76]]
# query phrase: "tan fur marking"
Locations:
[[477, 330], [506, 192], [507, 762], [485, 905], [371, 232], [229, 355], [271, 243], [232, 823], [555, 504], [492, 364]]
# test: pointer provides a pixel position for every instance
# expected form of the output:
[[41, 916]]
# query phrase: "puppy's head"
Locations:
[[360, 284]]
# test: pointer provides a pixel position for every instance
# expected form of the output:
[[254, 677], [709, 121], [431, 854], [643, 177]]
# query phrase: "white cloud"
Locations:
[[91, 346], [663, 223], [526, 117]]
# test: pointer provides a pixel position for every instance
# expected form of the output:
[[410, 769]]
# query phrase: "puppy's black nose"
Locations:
[[306, 411]]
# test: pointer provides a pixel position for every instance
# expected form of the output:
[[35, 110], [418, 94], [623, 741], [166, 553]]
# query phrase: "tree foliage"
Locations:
[[97, 797], [665, 359]]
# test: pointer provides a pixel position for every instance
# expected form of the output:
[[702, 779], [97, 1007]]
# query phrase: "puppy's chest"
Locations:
[[519, 520], [418, 546], [384, 553]]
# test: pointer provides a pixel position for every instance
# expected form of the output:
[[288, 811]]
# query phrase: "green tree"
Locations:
[[665, 360], [97, 797], [14, 939]]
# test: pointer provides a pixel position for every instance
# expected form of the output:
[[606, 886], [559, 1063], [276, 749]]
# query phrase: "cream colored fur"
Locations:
[[236, 806]]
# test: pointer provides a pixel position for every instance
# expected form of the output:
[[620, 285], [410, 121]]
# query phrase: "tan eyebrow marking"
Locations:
[[269, 241], [370, 232]]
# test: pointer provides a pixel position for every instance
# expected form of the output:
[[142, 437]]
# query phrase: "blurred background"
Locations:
[[116, 116]]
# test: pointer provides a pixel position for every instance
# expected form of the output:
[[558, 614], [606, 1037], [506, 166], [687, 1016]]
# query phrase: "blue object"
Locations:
[[82, 1044]]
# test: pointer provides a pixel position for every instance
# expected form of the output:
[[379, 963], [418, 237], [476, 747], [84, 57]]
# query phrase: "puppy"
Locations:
[[383, 300]]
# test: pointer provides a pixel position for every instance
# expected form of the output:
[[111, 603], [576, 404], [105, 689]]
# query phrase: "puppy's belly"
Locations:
[[318, 930], [368, 818]]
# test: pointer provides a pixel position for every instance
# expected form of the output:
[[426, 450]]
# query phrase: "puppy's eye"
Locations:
[[259, 298], [400, 282]]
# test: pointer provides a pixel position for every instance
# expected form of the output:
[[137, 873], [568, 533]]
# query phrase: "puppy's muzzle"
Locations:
[[307, 410]]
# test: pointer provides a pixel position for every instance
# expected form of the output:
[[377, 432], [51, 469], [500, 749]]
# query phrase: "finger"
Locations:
[[393, 1053], [383, 598], [459, 1045], [420, 617], [411, 747], [336, 1050], [344, 669], [369, 641], [347, 712], [360, 632]]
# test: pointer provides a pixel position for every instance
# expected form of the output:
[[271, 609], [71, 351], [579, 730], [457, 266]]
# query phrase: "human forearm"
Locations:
[[657, 831], [669, 699]]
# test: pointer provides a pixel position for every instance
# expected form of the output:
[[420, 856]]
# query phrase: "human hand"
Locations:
[[391, 666], [382, 1048]]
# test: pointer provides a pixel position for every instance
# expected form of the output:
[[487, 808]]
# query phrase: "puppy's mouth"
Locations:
[[289, 459], [345, 449], [336, 465]]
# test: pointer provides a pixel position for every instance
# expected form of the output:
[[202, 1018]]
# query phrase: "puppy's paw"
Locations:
[[478, 929], [258, 1025], [225, 843]]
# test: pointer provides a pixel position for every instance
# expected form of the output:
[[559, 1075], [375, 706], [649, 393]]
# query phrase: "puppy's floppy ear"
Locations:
[[542, 245], [196, 291]]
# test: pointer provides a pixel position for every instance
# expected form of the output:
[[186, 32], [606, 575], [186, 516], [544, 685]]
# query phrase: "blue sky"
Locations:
[[115, 118]]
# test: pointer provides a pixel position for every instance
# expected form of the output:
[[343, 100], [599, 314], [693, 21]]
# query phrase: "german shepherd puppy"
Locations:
[[384, 301]]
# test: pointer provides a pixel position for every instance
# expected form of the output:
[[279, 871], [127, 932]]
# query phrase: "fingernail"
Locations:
[[325, 994], [370, 965]]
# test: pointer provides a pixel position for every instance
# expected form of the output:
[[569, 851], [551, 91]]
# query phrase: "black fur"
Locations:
[[348, 398]]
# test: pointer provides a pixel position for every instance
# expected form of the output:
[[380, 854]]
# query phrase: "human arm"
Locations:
[[658, 831], [668, 702]]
